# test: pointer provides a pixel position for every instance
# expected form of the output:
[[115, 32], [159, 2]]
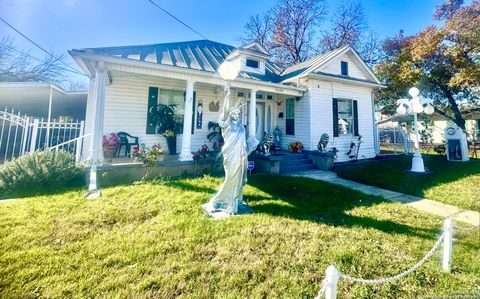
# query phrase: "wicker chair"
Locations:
[[126, 140]]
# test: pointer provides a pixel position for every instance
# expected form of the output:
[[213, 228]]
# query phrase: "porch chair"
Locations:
[[126, 140]]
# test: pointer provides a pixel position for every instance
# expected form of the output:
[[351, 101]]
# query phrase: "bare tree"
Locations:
[[349, 27], [294, 28], [287, 30], [259, 28], [19, 66]]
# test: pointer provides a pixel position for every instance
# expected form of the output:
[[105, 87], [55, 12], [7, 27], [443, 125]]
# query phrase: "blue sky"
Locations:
[[59, 25]]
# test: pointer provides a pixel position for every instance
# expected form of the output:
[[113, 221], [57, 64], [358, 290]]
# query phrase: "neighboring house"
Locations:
[[436, 124], [330, 93], [32, 99]]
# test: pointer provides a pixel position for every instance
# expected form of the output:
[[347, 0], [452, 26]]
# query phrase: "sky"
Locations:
[[60, 25]]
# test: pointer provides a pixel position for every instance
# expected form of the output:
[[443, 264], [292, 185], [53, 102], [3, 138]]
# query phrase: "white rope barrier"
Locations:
[[332, 275]]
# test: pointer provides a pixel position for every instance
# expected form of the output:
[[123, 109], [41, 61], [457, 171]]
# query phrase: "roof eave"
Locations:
[[118, 60], [343, 80]]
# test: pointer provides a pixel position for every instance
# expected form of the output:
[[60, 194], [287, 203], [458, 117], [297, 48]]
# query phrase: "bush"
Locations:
[[39, 172]]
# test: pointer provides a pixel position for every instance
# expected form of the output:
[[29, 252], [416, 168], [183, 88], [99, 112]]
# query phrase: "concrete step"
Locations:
[[295, 162], [290, 169], [295, 156]]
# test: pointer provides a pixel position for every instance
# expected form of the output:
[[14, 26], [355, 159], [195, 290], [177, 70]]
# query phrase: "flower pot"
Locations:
[[172, 145], [294, 150], [109, 151]]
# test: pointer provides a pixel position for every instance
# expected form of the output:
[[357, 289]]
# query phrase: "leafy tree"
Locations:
[[444, 62]]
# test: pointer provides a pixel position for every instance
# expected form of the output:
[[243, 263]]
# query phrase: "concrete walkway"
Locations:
[[426, 205]]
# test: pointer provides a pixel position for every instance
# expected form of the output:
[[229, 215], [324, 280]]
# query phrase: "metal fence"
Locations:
[[393, 141], [397, 140], [20, 134]]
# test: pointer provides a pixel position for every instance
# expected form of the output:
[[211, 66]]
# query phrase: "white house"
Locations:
[[330, 93]]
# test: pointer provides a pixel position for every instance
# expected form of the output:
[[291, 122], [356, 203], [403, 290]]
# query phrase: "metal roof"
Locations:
[[207, 56], [202, 55], [307, 65]]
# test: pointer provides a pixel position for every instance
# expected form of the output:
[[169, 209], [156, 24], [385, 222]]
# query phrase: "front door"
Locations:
[[259, 120]]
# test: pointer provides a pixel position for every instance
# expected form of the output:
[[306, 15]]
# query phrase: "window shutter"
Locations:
[[335, 117], [152, 102], [355, 117]]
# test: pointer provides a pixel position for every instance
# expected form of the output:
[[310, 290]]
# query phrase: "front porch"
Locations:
[[125, 170]]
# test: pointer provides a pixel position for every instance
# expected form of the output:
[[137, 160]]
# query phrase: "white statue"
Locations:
[[229, 198]]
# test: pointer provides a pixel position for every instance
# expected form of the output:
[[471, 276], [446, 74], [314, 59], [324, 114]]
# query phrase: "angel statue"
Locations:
[[229, 198]]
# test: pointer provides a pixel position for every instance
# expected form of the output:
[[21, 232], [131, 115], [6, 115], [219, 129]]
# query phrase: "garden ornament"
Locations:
[[229, 198], [322, 144]]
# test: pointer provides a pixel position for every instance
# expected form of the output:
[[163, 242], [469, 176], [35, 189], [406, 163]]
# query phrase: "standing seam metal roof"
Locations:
[[202, 55]]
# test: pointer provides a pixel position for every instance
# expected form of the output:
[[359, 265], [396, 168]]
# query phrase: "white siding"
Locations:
[[354, 70], [126, 102], [302, 122], [321, 95]]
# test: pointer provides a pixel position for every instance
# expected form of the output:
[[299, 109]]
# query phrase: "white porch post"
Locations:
[[186, 154], [97, 129], [252, 109]]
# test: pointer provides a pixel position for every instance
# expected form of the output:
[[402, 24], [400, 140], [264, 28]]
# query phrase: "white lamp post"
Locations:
[[415, 106]]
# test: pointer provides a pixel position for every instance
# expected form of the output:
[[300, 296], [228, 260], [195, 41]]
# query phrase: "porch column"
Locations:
[[97, 128], [186, 154], [252, 141]]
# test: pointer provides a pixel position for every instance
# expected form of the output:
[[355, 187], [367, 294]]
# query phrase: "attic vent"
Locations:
[[253, 63]]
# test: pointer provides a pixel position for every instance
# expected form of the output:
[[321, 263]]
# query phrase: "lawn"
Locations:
[[152, 240], [454, 183]]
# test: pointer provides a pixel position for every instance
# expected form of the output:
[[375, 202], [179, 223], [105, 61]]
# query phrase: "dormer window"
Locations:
[[344, 68], [253, 63]]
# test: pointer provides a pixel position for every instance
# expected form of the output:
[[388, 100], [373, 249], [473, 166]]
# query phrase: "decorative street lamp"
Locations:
[[229, 72], [415, 106]]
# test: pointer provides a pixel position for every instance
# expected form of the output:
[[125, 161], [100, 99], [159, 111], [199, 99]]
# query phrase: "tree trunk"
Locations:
[[459, 121]]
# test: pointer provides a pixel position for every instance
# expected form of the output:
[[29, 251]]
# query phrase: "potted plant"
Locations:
[[163, 116], [110, 145], [295, 146], [171, 137]]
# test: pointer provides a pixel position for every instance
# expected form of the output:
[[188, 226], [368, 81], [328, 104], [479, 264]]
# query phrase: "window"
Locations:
[[290, 117], [253, 63], [344, 68], [169, 97], [345, 116]]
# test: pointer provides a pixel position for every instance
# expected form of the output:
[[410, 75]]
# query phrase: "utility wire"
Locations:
[[183, 23], [41, 60], [34, 43]]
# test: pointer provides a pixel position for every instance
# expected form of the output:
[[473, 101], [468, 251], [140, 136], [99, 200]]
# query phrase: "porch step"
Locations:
[[295, 162], [290, 169]]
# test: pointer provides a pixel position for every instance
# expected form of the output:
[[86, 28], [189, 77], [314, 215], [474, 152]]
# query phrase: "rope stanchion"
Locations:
[[332, 275], [467, 229]]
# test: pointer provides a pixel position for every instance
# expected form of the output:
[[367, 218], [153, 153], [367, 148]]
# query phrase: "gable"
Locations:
[[355, 68]]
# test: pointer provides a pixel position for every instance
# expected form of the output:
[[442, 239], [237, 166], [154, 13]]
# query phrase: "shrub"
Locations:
[[39, 172]]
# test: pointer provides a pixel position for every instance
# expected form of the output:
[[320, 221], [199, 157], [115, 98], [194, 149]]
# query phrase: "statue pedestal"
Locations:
[[243, 209]]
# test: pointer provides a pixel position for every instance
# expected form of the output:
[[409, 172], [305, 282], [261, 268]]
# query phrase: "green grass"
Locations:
[[152, 240], [455, 183]]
